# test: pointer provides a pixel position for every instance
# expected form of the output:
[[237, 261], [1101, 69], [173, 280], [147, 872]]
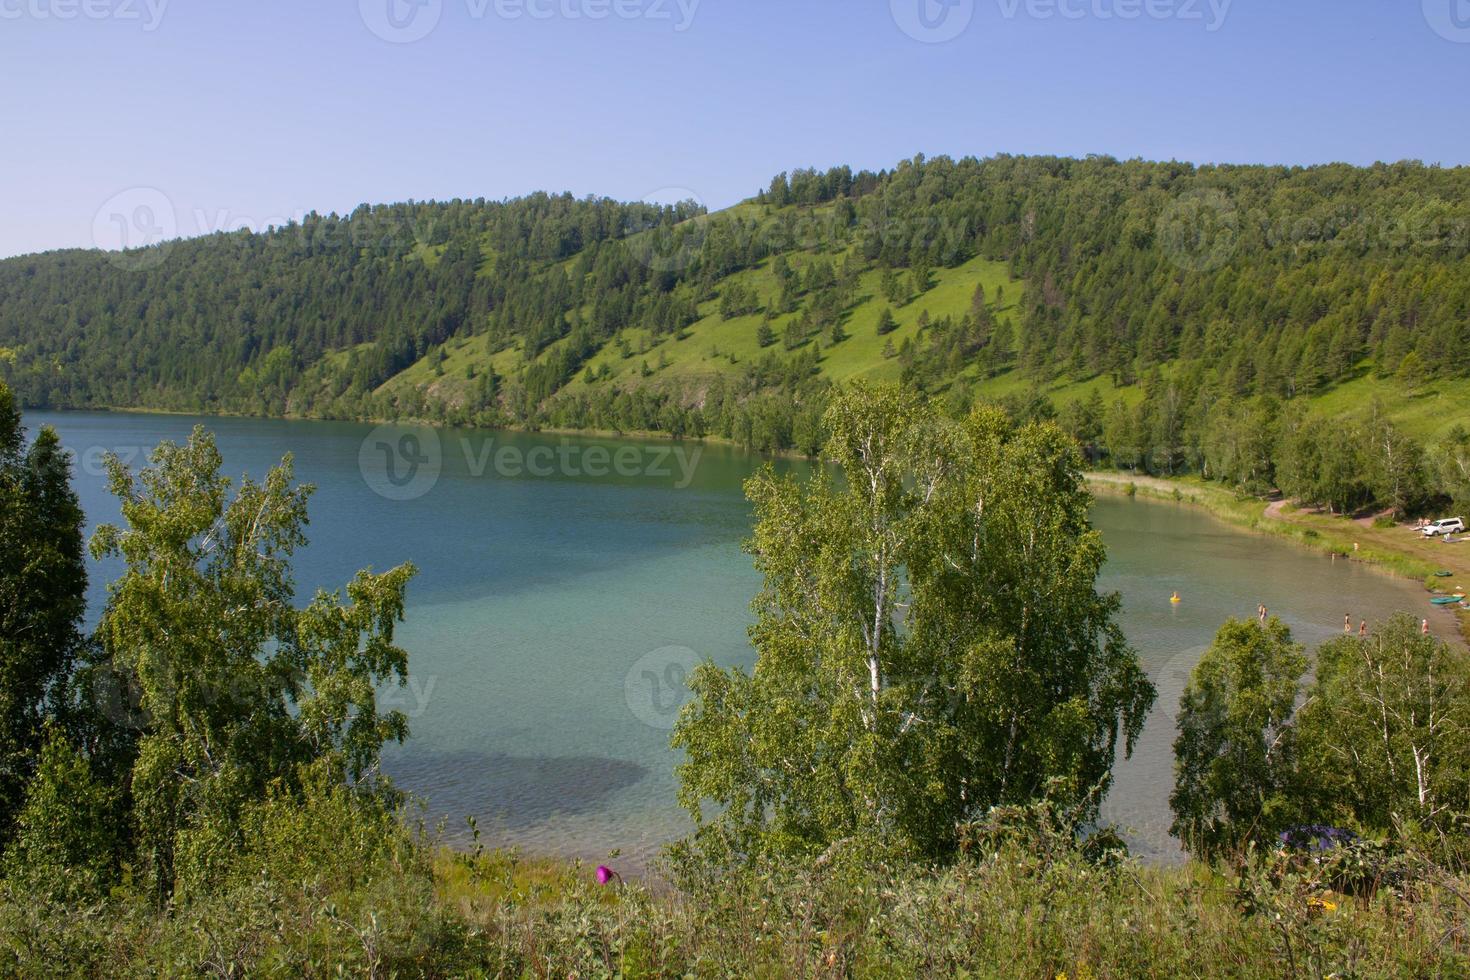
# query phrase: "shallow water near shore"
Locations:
[[567, 585]]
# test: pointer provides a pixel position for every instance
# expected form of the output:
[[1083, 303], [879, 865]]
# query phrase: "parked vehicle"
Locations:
[[1449, 525]]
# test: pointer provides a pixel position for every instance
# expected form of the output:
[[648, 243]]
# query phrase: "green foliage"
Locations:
[[316, 829], [738, 300], [936, 672], [66, 842], [1235, 753], [886, 323], [1379, 740], [42, 596], [322, 880], [238, 689], [929, 638], [1385, 734], [1450, 465], [1240, 444], [1300, 901]]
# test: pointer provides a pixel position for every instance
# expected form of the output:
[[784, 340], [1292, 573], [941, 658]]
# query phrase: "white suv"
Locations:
[[1450, 525]]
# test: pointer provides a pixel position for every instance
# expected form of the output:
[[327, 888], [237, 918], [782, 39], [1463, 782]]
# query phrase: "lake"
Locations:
[[567, 585]]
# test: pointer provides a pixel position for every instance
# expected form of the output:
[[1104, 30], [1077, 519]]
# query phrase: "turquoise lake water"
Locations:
[[567, 585]]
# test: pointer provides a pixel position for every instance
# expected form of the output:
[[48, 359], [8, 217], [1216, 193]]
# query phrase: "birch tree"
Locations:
[[929, 640], [1386, 733], [240, 691], [1235, 752]]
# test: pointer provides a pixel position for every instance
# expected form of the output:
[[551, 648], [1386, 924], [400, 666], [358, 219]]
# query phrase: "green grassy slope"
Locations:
[[1427, 412], [715, 345]]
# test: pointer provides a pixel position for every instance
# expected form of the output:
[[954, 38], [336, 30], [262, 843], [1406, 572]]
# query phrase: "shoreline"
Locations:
[[645, 435], [1340, 538]]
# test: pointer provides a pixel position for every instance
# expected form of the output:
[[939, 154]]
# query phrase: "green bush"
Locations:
[[66, 837]]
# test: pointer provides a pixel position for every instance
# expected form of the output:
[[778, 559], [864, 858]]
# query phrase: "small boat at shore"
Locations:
[[1446, 600]]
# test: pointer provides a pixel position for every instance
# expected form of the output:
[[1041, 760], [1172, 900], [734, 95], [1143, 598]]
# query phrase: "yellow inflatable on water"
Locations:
[[1175, 598]]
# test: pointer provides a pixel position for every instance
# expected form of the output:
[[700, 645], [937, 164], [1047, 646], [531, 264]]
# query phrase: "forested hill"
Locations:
[[1136, 296]]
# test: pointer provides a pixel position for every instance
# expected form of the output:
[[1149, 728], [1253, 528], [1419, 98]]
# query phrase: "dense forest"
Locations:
[[1174, 318]]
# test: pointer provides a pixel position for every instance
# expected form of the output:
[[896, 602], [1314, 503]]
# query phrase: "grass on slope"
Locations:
[[1060, 392], [714, 345], [465, 361], [1427, 413]]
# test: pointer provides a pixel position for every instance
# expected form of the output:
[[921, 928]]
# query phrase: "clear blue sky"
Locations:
[[261, 109]]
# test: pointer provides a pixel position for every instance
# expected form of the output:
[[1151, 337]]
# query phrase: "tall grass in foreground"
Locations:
[[393, 907]]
